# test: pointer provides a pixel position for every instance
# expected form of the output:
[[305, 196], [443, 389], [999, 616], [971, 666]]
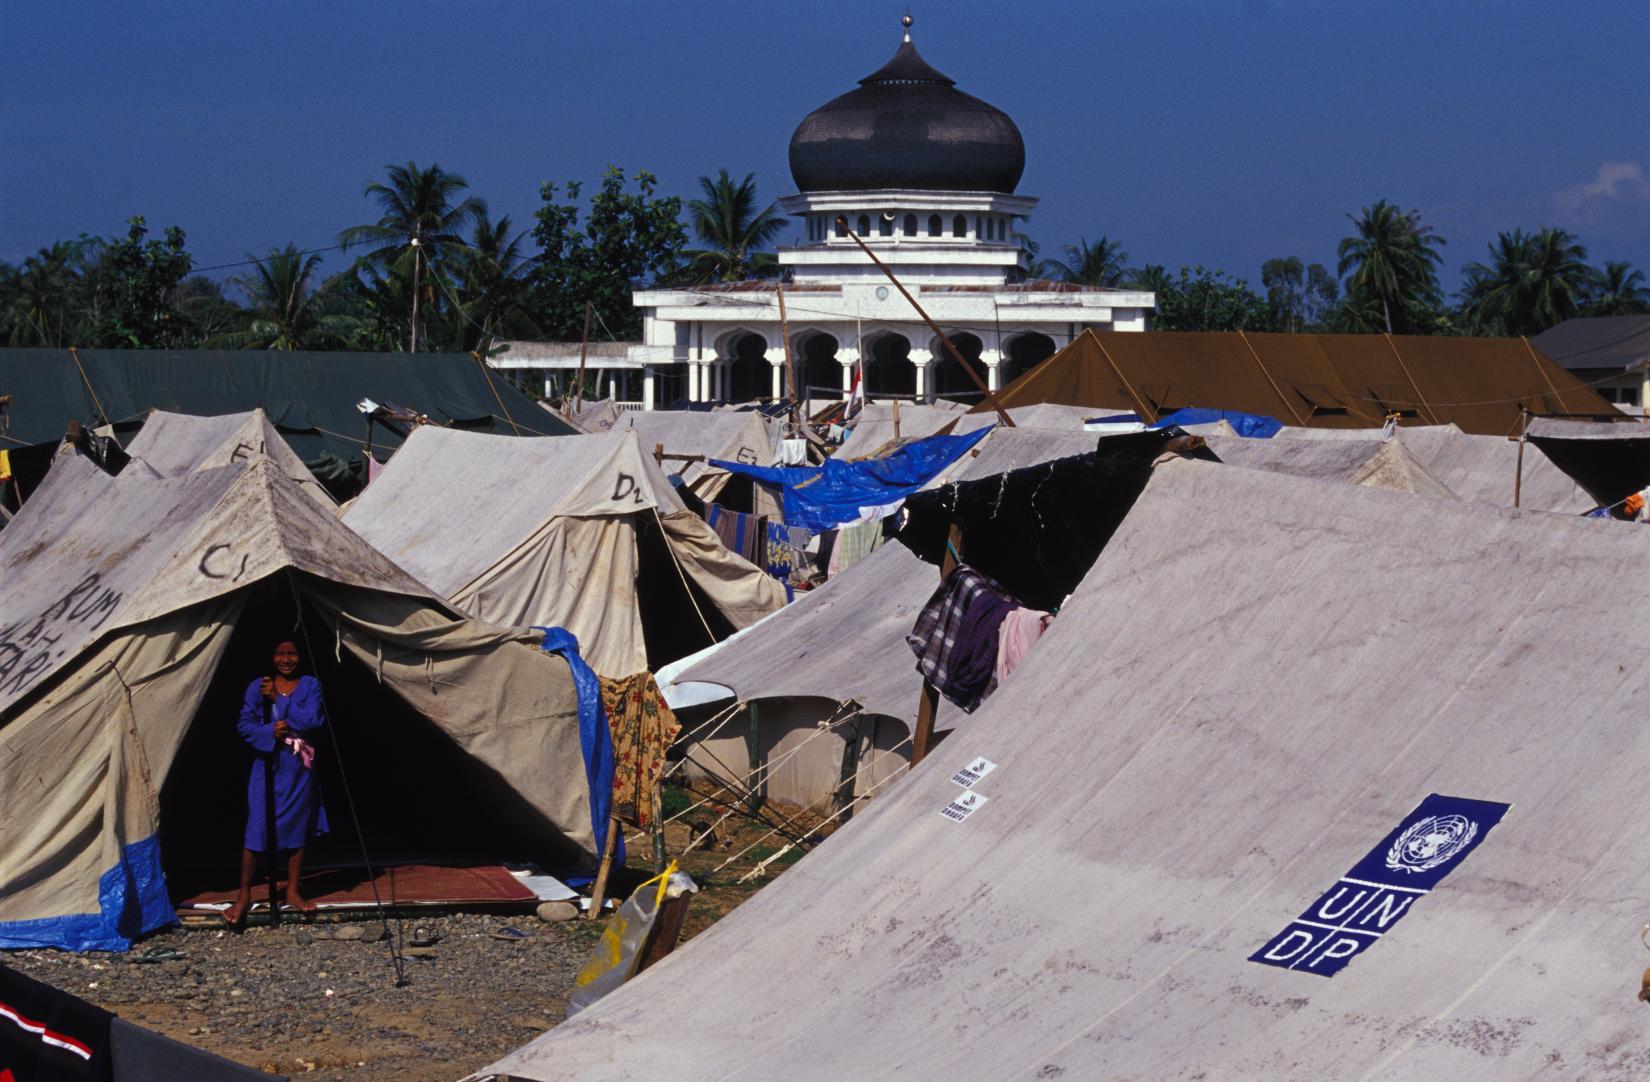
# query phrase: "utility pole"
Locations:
[[412, 337]]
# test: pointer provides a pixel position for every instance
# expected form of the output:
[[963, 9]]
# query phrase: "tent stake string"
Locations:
[[394, 941]]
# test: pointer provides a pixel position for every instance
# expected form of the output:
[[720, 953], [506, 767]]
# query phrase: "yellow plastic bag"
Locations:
[[620, 948]]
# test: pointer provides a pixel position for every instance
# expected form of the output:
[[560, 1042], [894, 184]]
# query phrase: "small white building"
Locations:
[[926, 175]]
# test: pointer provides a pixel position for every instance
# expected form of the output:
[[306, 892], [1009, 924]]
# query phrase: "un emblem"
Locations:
[[1430, 842]]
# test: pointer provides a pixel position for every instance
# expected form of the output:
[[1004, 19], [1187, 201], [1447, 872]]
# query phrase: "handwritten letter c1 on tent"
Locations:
[[1367, 902]]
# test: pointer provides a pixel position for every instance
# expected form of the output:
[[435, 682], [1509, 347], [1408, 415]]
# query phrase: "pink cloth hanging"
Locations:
[[1019, 632], [303, 749]]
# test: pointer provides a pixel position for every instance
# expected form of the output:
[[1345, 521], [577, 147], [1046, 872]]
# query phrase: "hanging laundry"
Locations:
[[853, 544], [5, 465], [787, 555], [955, 637], [740, 533], [793, 453], [1021, 628], [643, 729]]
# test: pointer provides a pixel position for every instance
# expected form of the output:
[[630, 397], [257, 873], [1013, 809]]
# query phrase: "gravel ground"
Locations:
[[288, 1001]]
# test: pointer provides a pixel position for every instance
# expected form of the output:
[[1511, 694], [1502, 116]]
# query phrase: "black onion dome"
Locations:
[[907, 126]]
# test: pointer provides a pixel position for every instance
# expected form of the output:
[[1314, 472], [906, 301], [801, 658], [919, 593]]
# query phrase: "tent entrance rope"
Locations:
[[665, 537], [394, 942]]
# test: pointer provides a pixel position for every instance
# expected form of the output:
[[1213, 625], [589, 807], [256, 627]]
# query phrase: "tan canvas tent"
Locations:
[[170, 444], [123, 597], [1374, 462], [584, 533], [1310, 380], [1169, 793]]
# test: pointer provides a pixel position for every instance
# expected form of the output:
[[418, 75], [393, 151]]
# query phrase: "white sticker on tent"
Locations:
[[963, 806], [973, 772]]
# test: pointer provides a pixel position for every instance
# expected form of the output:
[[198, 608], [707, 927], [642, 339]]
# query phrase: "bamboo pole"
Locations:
[[598, 893], [990, 396], [790, 366]]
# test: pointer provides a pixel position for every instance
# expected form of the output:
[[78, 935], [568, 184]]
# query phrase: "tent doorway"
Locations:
[[417, 796]]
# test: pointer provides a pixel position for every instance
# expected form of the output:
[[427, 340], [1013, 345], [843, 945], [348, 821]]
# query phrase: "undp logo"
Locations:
[[1430, 843]]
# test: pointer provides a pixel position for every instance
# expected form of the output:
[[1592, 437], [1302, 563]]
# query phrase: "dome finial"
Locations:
[[906, 21]]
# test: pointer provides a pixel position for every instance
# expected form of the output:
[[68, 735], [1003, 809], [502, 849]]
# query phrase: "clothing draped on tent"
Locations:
[[643, 729], [820, 497], [956, 636], [742, 533]]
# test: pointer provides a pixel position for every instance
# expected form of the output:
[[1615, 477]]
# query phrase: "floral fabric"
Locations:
[[643, 729]]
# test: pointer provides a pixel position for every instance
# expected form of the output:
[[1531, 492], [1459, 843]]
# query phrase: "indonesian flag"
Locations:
[[856, 393]]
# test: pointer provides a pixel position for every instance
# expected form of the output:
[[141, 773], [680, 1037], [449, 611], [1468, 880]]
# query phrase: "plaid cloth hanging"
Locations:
[[955, 637]]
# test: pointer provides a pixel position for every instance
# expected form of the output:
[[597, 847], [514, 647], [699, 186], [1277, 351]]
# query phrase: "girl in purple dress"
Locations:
[[280, 716]]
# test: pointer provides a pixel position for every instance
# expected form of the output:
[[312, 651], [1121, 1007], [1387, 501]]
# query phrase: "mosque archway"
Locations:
[[749, 374], [949, 379], [888, 367], [816, 365], [1022, 353]]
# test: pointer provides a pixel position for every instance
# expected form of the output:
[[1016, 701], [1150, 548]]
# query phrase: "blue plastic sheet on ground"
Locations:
[[824, 497], [132, 901], [1254, 425], [594, 738]]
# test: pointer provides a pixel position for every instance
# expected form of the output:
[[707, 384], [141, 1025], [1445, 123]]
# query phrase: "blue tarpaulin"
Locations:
[[594, 738], [1254, 425], [132, 900], [824, 497]]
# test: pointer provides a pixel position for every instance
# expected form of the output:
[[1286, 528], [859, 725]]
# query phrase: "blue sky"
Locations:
[[1214, 133]]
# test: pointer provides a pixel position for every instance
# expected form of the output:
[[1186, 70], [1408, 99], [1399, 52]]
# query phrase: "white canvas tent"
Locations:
[[170, 444], [835, 649], [1170, 792], [726, 436], [1477, 468], [874, 425], [584, 533], [113, 628], [1374, 462]]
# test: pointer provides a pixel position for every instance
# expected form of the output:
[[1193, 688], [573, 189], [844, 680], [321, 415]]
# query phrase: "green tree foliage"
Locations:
[[626, 239], [726, 221], [1618, 289], [1390, 264], [1151, 278], [46, 297], [1300, 297], [209, 311], [138, 280], [424, 214], [283, 310], [1203, 300], [1530, 282], [492, 288], [1103, 263]]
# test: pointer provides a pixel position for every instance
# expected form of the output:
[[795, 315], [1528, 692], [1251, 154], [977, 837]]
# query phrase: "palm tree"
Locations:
[[283, 309], [492, 283], [1618, 290], [1531, 282], [423, 215], [1393, 257], [1103, 263], [727, 222], [43, 294]]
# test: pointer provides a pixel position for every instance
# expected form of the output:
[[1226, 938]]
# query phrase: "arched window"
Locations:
[[936, 227], [959, 226], [864, 225], [885, 224], [842, 227], [979, 233], [910, 225]]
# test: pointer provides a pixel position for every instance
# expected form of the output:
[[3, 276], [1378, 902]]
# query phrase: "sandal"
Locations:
[[154, 955]]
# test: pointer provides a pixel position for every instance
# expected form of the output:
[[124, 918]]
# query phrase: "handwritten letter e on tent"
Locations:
[[1381, 888]]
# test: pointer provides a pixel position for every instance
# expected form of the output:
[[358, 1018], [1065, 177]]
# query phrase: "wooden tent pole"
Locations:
[[1146, 414], [990, 396], [598, 893], [896, 418], [1420, 398], [790, 365], [930, 701], [1518, 478], [584, 345], [1288, 405]]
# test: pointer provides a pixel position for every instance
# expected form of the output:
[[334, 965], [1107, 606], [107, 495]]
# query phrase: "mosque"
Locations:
[[925, 174]]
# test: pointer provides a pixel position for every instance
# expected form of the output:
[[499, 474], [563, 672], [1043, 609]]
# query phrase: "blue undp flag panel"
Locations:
[[1380, 889]]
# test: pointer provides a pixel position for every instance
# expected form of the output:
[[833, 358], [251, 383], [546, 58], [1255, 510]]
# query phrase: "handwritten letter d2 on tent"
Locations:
[[1368, 901]]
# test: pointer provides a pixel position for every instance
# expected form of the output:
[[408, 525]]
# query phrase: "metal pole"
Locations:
[[412, 337], [270, 849], [990, 396]]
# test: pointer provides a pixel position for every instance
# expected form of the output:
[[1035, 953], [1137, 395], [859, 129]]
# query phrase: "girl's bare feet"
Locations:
[[235, 914]]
